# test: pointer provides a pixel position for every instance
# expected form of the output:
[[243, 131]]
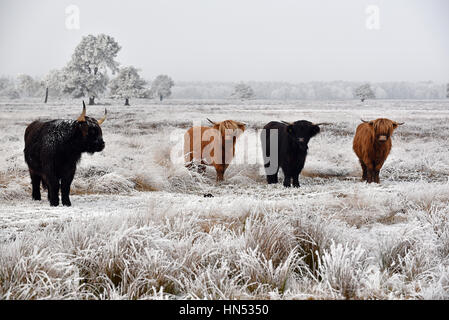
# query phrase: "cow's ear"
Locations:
[[396, 124]]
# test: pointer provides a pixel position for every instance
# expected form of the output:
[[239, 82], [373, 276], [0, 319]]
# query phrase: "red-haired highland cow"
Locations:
[[372, 144], [212, 146]]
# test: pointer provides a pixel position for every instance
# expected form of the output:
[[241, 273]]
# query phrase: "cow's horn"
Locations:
[[82, 117], [210, 121], [399, 123], [287, 123], [104, 118], [322, 124]]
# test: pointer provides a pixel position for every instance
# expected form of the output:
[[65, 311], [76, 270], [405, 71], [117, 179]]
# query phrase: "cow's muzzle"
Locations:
[[98, 146], [101, 146], [383, 138]]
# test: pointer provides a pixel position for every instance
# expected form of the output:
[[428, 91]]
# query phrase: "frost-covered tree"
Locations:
[[242, 91], [8, 88], [364, 92], [128, 84], [28, 86], [11, 93], [5, 82], [86, 73], [161, 86]]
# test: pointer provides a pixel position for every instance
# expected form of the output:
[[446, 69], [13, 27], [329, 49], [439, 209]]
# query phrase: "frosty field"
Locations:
[[140, 226]]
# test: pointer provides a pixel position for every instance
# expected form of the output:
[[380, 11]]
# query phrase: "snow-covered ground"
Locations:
[[140, 226]]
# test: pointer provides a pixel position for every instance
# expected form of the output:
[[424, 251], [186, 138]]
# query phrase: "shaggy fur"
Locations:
[[372, 145], [201, 144], [52, 150], [292, 145]]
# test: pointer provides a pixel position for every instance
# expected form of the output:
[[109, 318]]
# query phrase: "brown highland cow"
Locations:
[[213, 146], [372, 144]]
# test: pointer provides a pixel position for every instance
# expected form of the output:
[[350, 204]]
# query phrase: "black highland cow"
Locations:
[[52, 150], [289, 151]]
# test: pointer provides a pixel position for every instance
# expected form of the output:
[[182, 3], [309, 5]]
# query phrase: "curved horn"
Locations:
[[287, 123], [364, 121], [322, 124], [210, 121], [82, 117], [399, 123], [104, 118]]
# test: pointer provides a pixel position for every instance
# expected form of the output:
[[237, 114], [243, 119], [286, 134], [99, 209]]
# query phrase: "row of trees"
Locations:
[[128, 84], [331, 90], [244, 91], [87, 75]]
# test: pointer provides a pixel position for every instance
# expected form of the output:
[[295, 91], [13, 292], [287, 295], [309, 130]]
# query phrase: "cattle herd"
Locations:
[[53, 149]]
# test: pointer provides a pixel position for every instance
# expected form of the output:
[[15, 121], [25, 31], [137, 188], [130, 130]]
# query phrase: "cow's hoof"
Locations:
[[37, 198], [66, 203], [296, 186], [54, 203]]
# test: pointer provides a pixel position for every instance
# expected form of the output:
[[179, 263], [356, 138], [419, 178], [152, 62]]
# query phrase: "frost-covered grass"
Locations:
[[140, 226]]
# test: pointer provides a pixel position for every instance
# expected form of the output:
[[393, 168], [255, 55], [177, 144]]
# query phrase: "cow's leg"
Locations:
[[376, 172], [36, 185], [287, 181], [66, 181], [364, 170], [296, 181], [376, 177], [369, 172], [53, 185], [220, 172], [271, 178]]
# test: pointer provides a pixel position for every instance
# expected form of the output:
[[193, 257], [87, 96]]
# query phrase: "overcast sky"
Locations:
[[238, 40]]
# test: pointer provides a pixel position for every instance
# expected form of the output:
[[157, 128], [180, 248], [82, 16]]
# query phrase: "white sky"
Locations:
[[237, 40]]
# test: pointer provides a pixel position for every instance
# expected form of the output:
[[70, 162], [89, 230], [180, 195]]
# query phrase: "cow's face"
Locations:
[[91, 133], [383, 129], [302, 130]]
